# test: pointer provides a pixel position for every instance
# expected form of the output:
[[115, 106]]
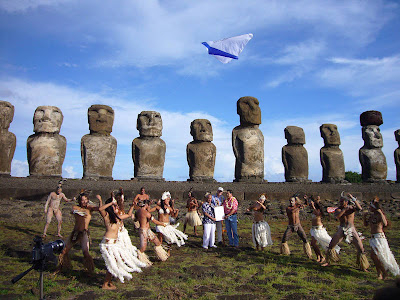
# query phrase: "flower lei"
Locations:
[[227, 203]]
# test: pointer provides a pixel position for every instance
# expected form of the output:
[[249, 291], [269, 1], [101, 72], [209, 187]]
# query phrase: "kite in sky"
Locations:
[[227, 49]]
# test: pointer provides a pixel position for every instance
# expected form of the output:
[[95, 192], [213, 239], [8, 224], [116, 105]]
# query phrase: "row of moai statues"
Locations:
[[46, 147]]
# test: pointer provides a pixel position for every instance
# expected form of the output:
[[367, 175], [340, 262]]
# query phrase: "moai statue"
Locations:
[[331, 156], [8, 140], [201, 152], [372, 159], [148, 150], [397, 155], [98, 148], [295, 156], [248, 142], [46, 148]]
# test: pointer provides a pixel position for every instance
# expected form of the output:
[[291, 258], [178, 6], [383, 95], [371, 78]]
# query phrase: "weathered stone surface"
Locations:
[[372, 159], [201, 152], [8, 140], [331, 156], [46, 148], [248, 142], [397, 155], [98, 148], [148, 150], [371, 117], [294, 155]]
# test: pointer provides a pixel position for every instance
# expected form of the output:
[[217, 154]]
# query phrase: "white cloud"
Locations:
[[374, 79], [148, 33], [19, 168], [68, 172]]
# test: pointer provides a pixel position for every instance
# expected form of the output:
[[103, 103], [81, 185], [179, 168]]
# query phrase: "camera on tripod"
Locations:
[[43, 253]]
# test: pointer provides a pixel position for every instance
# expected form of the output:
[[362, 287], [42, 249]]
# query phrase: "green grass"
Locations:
[[191, 272]]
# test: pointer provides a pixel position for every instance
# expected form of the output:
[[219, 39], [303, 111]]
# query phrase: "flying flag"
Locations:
[[227, 49]]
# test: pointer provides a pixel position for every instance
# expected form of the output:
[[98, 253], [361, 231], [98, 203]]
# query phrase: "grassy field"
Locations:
[[191, 272]]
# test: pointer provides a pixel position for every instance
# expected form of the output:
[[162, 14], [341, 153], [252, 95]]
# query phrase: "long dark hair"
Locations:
[[110, 210]]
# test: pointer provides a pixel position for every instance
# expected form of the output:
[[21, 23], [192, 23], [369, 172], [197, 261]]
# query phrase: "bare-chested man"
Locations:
[[260, 230], [345, 214], [80, 234], [192, 217], [51, 207], [292, 212], [144, 217], [380, 253], [141, 196]]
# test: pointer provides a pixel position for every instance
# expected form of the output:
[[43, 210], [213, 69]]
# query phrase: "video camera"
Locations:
[[42, 254], [45, 252]]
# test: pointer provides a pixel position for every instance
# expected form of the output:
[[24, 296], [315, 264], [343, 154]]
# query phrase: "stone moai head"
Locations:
[[201, 130], [47, 119], [101, 119], [295, 135], [330, 134], [6, 114], [149, 124], [371, 134], [397, 136], [249, 111]]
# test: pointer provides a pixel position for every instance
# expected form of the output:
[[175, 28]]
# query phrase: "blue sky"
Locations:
[[309, 63]]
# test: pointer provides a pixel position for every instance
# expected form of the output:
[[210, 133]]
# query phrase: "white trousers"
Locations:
[[208, 235]]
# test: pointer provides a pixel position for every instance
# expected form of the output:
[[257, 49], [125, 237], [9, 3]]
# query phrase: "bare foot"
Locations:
[[44, 235], [325, 264], [380, 277], [59, 235], [108, 286], [322, 260]]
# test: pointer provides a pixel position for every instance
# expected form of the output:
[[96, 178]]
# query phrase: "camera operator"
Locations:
[[80, 234]]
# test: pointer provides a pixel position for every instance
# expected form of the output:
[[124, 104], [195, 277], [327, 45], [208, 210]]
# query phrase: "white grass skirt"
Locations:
[[322, 237], [261, 234], [381, 248], [125, 241], [119, 261], [172, 235]]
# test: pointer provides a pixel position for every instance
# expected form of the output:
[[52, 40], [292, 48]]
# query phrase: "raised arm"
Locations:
[[354, 200], [384, 220], [46, 206]]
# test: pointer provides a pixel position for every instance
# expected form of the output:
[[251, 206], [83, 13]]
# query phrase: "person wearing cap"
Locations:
[[230, 209], [380, 252], [52, 206], [261, 232], [346, 230], [218, 200]]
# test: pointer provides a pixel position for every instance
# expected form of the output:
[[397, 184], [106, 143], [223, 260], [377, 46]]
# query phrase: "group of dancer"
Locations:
[[381, 254], [122, 258]]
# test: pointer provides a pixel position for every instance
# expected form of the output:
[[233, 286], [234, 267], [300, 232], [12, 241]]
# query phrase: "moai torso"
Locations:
[[248, 142], [8, 140], [397, 155], [201, 152], [331, 156], [148, 150], [295, 156], [46, 148], [98, 148], [372, 159]]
